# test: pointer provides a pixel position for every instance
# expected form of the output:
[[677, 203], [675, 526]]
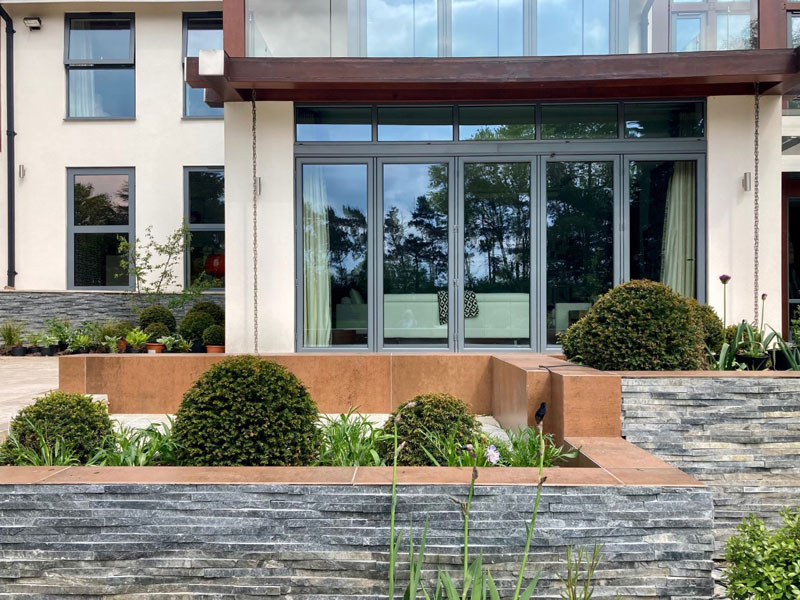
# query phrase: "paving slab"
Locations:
[[23, 379]]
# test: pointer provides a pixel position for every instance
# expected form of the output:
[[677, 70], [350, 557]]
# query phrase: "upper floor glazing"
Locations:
[[487, 28]]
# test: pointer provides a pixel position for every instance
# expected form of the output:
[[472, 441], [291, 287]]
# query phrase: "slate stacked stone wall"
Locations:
[[320, 541], [34, 308], [741, 436]]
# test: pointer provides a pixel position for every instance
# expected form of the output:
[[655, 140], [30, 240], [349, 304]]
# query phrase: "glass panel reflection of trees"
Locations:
[[580, 239], [415, 253], [497, 251], [101, 200], [335, 269]]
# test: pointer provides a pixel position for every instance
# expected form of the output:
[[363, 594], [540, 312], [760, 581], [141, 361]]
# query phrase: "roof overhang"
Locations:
[[673, 75]]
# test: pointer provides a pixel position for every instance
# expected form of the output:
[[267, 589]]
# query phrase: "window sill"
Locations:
[[84, 119], [190, 118]]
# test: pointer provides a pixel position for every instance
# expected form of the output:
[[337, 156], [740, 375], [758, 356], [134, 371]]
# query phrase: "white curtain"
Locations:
[[316, 262], [678, 263], [83, 102]]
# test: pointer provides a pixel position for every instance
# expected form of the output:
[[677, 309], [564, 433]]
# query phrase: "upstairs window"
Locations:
[[99, 58], [201, 31]]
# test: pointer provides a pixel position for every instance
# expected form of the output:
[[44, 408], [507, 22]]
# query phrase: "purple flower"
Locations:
[[764, 296], [724, 279], [492, 455]]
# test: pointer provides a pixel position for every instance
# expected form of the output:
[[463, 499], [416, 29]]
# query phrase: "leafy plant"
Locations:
[[794, 326], [350, 440], [78, 420], [41, 453], [59, 328], [110, 342], [574, 589], [182, 344], [170, 342], [792, 353], [49, 340], [449, 451], [153, 266], [79, 342], [11, 333], [155, 331], [212, 308], [528, 447], [639, 325], [710, 323], [194, 324], [246, 411], [137, 338], [764, 564], [129, 447], [157, 314], [35, 340], [118, 329], [440, 414], [214, 336]]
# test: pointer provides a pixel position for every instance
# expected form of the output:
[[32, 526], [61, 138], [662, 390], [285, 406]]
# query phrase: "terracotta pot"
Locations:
[[155, 348], [215, 349], [122, 345]]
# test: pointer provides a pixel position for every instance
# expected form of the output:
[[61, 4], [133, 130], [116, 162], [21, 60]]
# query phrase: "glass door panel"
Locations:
[[580, 239], [416, 254], [335, 266], [497, 253], [793, 258]]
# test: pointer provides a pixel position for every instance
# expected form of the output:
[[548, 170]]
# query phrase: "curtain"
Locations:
[[83, 101], [316, 264], [678, 262]]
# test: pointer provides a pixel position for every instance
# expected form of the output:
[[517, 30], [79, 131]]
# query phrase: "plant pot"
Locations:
[[155, 348], [779, 360], [215, 349], [754, 363], [51, 350], [198, 347], [62, 346], [132, 350], [18, 351], [122, 345], [35, 350]]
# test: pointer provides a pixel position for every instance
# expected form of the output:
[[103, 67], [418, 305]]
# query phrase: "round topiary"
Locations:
[[638, 326], [441, 415], [194, 324], [245, 411], [157, 314], [155, 331], [711, 324], [214, 336], [215, 310], [82, 423]]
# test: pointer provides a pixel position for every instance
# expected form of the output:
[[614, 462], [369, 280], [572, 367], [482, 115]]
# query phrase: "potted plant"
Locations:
[[79, 343], [111, 342], [35, 343], [50, 345], [214, 339], [182, 345], [155, 331], [169, 342], [193, 326], [137, 339], [11, 334], [60, 330]]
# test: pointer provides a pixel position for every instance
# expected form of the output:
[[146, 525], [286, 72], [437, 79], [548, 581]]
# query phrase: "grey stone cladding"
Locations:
[[34, 308], [320, 541], [741, 436]]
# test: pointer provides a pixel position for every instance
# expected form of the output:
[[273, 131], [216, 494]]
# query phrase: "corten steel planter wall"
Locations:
[[737, 432]]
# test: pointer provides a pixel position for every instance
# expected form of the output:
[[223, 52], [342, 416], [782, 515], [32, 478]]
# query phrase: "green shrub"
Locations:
[[245, 411], [118, 329], [349, 440], [763, 564], [441, 415], [194, 324], [157, 314], [11, 333], [77, 420], [215, 310], [638, 326], [214, 336], [155, 331], [710, 323]]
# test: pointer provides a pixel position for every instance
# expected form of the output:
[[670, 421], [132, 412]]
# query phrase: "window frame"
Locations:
[[188, 16], [73, 229], [78, 65], [197, 227]]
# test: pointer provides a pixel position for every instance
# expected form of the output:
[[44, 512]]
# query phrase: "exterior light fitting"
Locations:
[[33, 23], [747, 182]]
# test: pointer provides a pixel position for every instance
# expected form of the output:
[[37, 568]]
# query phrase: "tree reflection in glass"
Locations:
[[101, 199]]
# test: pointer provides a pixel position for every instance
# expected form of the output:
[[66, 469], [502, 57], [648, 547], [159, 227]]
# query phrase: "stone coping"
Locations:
[[706, 374], [615, 461]]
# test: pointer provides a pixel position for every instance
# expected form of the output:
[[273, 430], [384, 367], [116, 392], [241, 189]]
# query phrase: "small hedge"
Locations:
[[638, 326], [440, 414], [214, 336], [215, 310], [711, 324], [194, 324], [81, 422], [157, 314], [155, 331], [245, 411]]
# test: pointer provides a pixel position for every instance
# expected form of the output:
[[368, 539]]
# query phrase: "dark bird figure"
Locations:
[[539, 416]]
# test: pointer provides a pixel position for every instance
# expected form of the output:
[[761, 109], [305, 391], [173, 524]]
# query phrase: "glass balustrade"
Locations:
[[486, 28]]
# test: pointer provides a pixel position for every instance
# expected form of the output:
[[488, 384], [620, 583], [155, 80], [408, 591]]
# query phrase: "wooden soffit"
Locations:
[[673, 75]]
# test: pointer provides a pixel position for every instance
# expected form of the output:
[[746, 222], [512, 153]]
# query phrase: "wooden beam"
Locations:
[[772, 25], [219, 88], [233, 27]]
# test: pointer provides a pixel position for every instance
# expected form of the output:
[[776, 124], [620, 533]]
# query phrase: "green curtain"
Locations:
[[316, 262], [679, 246]]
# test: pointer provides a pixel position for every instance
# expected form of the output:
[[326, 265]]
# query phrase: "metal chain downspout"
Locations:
[[757, 115], [255, 227]]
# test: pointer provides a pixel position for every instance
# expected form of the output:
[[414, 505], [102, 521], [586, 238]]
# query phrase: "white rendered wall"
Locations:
[[158, 144], [276, 252], [730, 208]]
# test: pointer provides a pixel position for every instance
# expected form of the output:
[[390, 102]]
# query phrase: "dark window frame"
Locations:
[[83, 64], [197, 227], [190, 16], [73, 229]]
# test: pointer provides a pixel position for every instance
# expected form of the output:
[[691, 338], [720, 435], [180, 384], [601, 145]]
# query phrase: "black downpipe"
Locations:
[[10, 133]]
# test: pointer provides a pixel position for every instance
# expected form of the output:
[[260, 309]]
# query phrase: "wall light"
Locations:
[[33, 23], [747, 182]]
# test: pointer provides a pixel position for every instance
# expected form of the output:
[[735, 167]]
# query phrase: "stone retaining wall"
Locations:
[[320, 541], [741, 436], [34, 308]]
